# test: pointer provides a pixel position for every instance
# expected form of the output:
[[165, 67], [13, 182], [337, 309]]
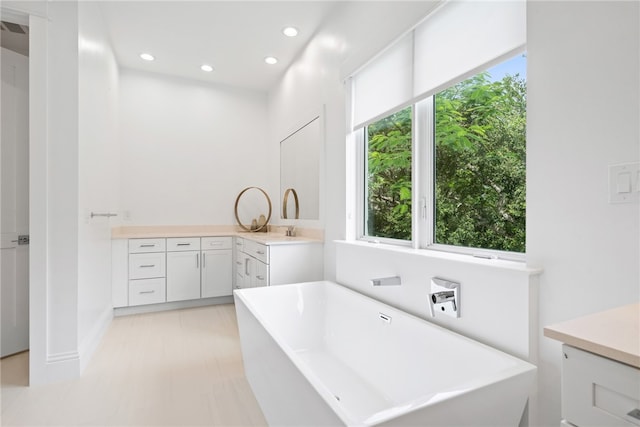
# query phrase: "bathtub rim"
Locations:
[[519, 368]]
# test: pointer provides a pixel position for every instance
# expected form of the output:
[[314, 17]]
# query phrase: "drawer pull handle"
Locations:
[[260, 252], [147, 246], [215, 243], [238, 262], [146, 292], [635, 413], [147, 265], [260, 277], [184, 244]]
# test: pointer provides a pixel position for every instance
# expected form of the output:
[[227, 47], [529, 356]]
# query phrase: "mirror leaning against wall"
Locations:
[[253, 209], [300, 172]]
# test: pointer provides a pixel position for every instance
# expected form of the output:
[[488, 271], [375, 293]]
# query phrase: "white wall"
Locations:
[[53, 110], [351, 35], [73, 153], [188, 149], [583, 115], [99, 157], [583, 109]]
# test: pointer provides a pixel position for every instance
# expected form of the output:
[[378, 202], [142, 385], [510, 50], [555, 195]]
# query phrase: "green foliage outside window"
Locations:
[[480, 170], [389, 177], [480, 164]]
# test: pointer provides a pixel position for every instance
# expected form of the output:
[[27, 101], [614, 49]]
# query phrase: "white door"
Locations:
[[14, 203], [183, 275], [217, 273]]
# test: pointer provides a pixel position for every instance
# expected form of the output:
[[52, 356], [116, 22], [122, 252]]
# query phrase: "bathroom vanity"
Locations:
[[175, 267], [275, 260], [600, 368]]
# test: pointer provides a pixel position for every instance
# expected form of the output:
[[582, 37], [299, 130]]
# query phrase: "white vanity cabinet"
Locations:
[[597, 391], [147, 271], [239, 270], [250, 269], [172, 269], [277, 262], [217, 267], [600, 368], [183, 268]]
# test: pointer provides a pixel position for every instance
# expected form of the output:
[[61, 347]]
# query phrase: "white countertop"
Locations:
[[614, 334], [272, 238]]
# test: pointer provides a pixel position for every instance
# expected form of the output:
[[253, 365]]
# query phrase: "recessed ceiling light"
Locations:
[[207, 68], [290, 31], [271, 60], [147, 56]]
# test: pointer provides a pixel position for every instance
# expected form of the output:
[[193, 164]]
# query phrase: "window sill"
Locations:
[[447, 256]]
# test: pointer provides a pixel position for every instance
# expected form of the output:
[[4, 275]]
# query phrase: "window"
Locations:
[[388, 177], [470, 172], [480, 160]]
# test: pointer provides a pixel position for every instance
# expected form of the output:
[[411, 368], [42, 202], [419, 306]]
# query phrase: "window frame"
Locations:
[[422, 188]]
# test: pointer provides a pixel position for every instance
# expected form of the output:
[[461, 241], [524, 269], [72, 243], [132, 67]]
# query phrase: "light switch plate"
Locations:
[[624, 183]]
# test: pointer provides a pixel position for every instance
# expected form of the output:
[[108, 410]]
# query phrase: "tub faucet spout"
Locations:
[[387, 281], [444, 296]]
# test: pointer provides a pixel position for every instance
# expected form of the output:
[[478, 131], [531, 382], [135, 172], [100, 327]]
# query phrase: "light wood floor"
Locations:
[[180, 367]]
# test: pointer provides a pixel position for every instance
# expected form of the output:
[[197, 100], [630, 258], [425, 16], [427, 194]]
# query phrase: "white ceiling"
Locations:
[[232, 36]]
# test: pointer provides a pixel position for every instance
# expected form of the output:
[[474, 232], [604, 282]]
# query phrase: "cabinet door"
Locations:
[[261, 274], [597, 391], [245, 272], [183, 275], [217, 273]]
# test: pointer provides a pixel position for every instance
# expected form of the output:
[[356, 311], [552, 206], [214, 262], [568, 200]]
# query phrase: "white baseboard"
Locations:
[[152, 308]]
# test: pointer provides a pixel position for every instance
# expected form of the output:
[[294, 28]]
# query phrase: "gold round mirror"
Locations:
[[253, 209]]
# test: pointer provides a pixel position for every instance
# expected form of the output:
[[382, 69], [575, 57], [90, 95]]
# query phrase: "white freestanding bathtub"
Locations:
[[319, 354]]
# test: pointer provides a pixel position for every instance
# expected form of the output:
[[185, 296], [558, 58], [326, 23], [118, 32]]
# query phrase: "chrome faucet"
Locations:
[[444, 296], [387, 281]]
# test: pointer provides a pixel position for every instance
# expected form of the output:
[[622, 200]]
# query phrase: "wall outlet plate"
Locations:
[[624, 183], [450, 307]]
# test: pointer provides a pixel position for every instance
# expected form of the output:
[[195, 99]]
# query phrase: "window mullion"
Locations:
[[361, 182], [423, 174]]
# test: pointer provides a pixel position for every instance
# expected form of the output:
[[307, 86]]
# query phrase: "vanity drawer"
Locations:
[[147, 265], [209, 243], [146, 245], [147, 291], [257, 250], [177, 244], [597, 391]]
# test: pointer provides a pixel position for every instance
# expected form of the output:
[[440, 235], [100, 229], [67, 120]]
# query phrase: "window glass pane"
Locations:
[[388, 177], [480, 160]]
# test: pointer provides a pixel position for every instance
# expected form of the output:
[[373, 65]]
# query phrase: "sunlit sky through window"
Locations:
[[516, 65]]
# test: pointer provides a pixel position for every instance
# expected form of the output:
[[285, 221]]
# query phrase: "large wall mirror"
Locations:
[[300, 172]]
